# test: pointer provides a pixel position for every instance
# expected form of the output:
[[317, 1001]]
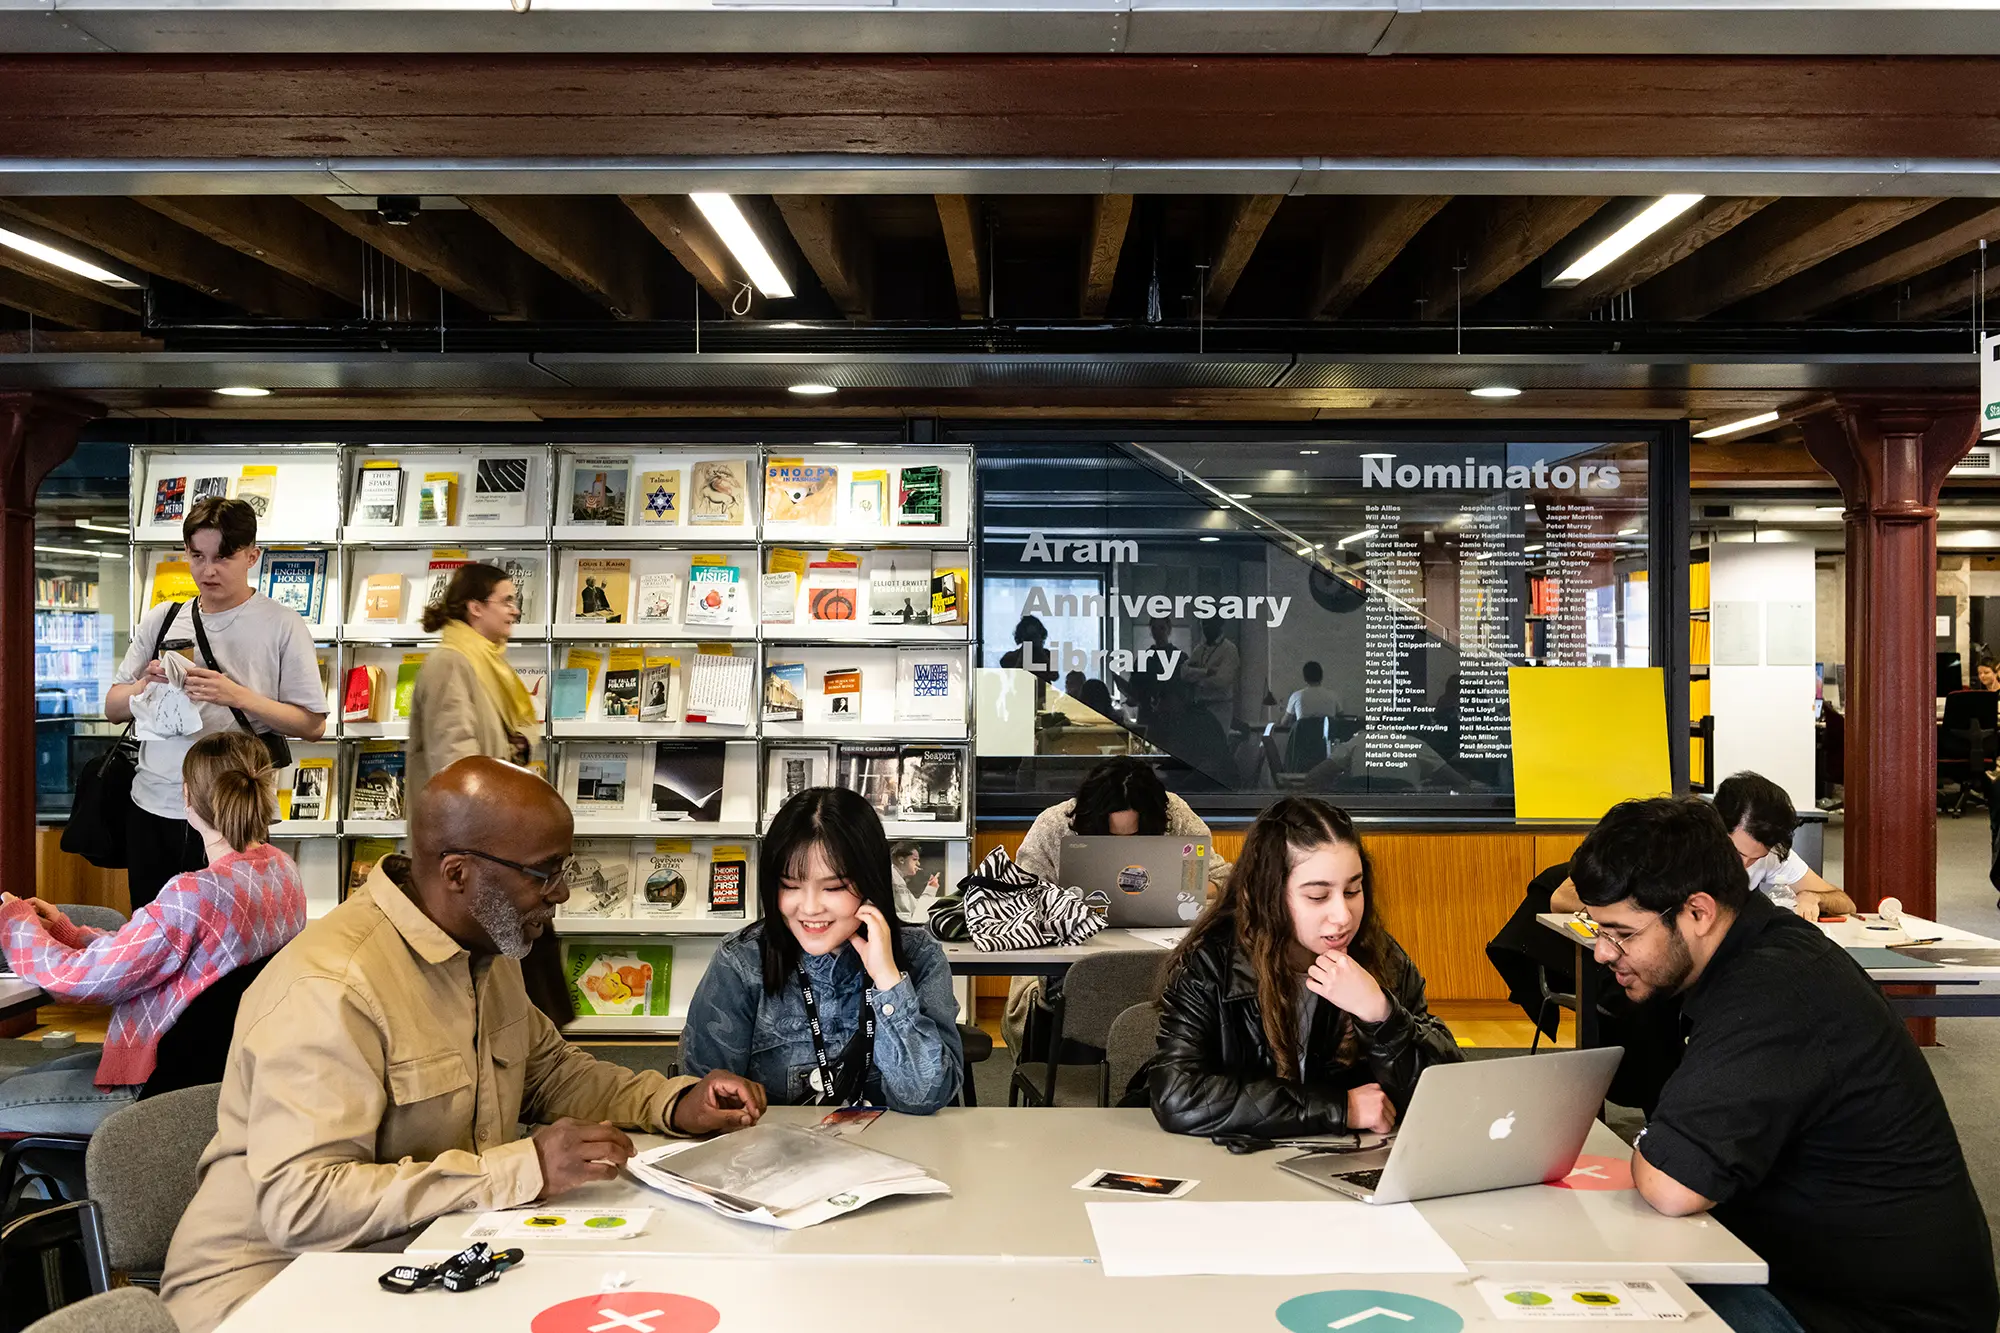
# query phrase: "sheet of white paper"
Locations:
[[1737, 633], [1166, 937], [1163, 1239], [1788, 634]]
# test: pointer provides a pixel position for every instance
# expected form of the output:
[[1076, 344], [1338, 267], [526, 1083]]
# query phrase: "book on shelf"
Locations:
[[296, 579], [949, 596], [524, 572], [619, 979], [437, 499], [622, 671], [406, 683], [899, 588], [659, 497], [728, 868], [930, 783], [362, 858], [688, 780], [312, 780], [382, 598], [205, 488], [499, 493], [778, 598], [920, 496], [871, 770], [597, 491], [600, 882], [719, 689], [868, 498], [659, 598], [588, 660], [170, 499], [378, 781], [930, 685], [717, 490], [656, 688], [443, 565], [363, 699], [840, 695], [714, 590], [378, 496], [800, 494], [172, 581], [603, 589], [257, 486], [569, 695], [832, 590], [536, 682], [668, 870], [791, 769], [785, 692], [601, 780]]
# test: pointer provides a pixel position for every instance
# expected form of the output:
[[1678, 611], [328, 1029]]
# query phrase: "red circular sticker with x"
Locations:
[[1591, 1172], [628, 1312]]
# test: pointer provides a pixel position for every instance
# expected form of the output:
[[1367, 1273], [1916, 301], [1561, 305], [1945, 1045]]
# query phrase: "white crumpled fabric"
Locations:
[[163, 710]]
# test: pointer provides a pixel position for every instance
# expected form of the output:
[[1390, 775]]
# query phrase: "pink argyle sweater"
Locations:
[[204, 925]]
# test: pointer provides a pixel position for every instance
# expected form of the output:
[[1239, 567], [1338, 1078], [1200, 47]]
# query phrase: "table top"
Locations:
[[969, 959], [17, 995], [337, 1293], [1011, 1171], [1853, 932]]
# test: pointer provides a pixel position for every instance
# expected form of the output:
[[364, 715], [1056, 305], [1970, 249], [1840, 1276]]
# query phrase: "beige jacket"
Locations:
[[450, 717], [376, 1081]]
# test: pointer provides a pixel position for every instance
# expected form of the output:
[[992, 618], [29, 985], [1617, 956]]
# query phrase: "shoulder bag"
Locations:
[[97, 813]]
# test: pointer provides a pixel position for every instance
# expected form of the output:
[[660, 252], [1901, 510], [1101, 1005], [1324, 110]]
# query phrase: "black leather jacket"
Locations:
[[1214, 1072]]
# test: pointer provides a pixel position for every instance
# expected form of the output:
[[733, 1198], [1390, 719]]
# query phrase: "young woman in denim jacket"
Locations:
[[829, 944]]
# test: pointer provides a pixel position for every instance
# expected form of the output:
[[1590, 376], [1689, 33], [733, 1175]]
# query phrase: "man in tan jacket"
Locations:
[[385, 1057]]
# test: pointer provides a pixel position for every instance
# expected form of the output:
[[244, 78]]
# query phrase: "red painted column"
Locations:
[[37, 432], [1890, 454]]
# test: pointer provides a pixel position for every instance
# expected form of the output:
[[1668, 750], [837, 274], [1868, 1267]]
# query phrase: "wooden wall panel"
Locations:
[[1555, 848], [63, 878]]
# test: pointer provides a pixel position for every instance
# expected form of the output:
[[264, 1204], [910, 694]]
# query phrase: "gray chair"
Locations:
[[1094, 992], [126, 1310], [92, 916], [1133, 1040], [141, 1169]]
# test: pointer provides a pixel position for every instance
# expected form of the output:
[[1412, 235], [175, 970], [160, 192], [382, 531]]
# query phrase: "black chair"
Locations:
[[977, 1044], [1310, 743], [50, 1259], [195, 1049], [1968, 740]]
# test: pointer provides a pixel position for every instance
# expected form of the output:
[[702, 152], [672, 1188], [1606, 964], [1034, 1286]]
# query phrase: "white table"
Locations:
[[968, 960], [18, 996], [337, 1293], [1011, 1172]]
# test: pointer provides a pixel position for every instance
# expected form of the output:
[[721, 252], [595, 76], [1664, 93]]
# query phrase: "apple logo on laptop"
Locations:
[[1501, 1128]]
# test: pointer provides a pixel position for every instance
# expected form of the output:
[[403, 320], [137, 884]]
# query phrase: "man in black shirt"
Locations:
[[1802, 1113]]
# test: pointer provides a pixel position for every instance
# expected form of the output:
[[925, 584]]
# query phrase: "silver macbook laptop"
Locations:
[[1481, 1125], [1138, 881]]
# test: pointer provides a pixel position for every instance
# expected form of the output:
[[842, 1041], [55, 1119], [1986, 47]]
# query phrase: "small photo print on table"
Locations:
[[1133, 1182]]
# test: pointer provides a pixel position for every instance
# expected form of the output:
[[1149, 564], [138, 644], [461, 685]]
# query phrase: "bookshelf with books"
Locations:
[[296, 490], [707, 592], [866, 497], [674, 787], [657, 494], [611, 690], [1701, 713], [859, 594], [428, 496], [389, 587], [308, 800]]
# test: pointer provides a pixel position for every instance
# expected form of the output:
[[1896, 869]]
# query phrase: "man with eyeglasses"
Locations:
[[384, 1061], [1802, 1114]]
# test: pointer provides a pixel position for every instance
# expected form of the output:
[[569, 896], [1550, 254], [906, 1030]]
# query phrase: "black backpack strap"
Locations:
[[201, 637], [173, 609]]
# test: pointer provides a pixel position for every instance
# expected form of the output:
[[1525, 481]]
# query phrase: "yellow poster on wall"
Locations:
[[1586, 738]]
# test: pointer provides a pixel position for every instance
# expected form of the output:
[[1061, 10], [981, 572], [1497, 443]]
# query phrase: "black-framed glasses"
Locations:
[[564, 872]]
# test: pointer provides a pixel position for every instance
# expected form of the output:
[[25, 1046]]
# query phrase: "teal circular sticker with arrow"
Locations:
[[1367, 1312]]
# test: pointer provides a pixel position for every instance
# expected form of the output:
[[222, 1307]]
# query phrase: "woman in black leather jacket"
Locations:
[[1288, 1010]]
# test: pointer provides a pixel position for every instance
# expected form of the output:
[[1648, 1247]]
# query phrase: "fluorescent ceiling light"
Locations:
[[1305, 550], [1378, 455], [1308, 451], [48, 254], [243, 391], [1828, 509], [74, 550], [812, 390], [1532, 546], [1211, 539], [1496, 391], [1239, 495], [1628, 532], [1730, 428], [1360, 536], [89, 526], [734, 230], [1653, 217]]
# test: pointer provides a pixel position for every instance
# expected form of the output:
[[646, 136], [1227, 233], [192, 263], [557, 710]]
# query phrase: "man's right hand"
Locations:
[[576, 1152], [1369, 1110]]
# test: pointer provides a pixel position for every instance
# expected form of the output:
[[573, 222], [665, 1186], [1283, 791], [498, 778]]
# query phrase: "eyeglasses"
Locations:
[[508, 603], [562, 873], [1620, 943]]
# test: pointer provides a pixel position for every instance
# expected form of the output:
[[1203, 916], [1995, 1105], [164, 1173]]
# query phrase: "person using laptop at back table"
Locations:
[[1802, 1114], [1288, 1009]]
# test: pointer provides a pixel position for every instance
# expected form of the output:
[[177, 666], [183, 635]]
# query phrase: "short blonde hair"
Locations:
[[232, 786]]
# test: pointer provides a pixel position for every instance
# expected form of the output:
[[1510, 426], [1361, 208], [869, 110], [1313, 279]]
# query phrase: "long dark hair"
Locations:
[[1254, 906], [849, 832], [1118, 784], [469, 583]]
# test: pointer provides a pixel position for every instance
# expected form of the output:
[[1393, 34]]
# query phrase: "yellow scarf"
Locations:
[[489, 659]]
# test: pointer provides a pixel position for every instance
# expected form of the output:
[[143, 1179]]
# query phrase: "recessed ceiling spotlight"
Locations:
[[243, 391], [1496, 391], [813, 390]]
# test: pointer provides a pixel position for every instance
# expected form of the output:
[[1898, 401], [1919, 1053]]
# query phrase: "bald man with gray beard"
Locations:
[[383, 1061]]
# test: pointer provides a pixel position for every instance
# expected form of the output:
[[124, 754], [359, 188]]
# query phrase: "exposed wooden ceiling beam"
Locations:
[[958, 215], [1780, 241], [678, 225], [1110, 218], [148, 242], [1701, 224], [45, 300], [831, 237], [1947, 231], [275, 230], [1944, 291], [118, 298], [1503, 235], [580, 239], [1235, 241], [1367, 233], [456, 249]]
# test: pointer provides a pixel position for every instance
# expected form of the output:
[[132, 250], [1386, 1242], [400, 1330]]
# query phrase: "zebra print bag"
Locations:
[[1007, 907]]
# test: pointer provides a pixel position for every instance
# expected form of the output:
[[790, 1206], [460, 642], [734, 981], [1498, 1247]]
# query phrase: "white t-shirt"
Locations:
[[1312, 701], [1775, 879], [263, 645]]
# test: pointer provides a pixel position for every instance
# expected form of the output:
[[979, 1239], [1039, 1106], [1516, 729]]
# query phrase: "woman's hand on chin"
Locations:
[[1348, 986]]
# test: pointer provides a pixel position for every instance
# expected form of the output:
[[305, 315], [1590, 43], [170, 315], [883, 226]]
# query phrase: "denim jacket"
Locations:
[[732, 1024]]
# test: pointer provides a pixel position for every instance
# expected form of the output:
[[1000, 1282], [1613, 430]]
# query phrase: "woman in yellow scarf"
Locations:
[[468, 699]]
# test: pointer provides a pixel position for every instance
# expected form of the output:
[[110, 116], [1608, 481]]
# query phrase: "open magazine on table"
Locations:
[[780, 1176]]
